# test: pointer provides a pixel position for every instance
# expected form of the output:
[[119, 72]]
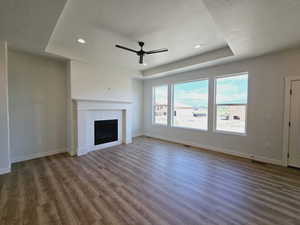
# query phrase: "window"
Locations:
[[231, 103], [160, 105], [191, 104]]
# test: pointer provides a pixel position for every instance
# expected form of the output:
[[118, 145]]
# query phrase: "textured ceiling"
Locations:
[[248, 27], [256, 27], [174, 24], [28, 24]]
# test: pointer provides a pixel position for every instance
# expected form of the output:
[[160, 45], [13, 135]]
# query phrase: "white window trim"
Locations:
[[189, 128], [215, 107], [172, 105], [152, 106]]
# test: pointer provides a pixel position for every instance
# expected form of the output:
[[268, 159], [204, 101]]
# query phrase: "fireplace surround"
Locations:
[[89, 112]]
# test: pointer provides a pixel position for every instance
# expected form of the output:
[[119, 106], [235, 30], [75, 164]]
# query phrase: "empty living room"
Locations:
[[139, 112]]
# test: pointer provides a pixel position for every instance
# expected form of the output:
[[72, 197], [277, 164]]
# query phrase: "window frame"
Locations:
[[153, 103], [215, 106], [173, 105]]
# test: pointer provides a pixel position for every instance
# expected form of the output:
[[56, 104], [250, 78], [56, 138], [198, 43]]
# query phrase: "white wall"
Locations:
[[108, 83], [71, 116], [37, 100], [265, 109], [100, 82], [137, 107], [4, 116]]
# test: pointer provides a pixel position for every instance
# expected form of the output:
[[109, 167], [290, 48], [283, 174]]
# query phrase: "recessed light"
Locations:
[[81, 41], [197, 46], [145, 64]]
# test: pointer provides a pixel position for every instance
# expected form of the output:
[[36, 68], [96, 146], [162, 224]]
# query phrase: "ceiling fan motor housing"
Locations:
[[141, 44]]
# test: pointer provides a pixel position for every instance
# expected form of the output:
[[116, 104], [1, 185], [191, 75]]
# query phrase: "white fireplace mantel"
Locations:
[[89, 109]]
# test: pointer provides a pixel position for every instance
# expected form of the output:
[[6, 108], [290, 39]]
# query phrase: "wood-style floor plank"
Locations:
[[149, 182]]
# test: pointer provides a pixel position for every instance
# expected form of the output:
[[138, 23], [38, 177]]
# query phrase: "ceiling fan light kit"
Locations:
[[141, 53]]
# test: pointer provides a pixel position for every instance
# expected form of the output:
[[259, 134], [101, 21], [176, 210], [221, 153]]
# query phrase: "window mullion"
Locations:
[[170, 105]]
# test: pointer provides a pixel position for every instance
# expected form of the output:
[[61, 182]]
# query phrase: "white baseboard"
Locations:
[[4, 171], [221, 150], [37, 155]]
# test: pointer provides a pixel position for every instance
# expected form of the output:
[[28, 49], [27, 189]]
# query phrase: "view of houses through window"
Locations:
[[160, 105], [191, 100], [191, 105], [231, 103]]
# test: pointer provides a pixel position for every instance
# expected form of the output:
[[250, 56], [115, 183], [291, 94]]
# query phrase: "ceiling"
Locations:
[[244, 28], [174, 24], [28, 24], [256, 27]]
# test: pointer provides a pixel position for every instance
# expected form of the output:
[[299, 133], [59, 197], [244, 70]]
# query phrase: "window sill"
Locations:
[[190, 128], [230, 133], [159, 125]]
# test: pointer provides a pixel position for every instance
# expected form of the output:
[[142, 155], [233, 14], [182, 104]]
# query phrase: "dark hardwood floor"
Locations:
[[149, 182]]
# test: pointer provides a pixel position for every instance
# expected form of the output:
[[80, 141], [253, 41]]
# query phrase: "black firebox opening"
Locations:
[[106, 131]]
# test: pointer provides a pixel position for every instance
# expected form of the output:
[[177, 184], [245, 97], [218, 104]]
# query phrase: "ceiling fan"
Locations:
[[141, 53]]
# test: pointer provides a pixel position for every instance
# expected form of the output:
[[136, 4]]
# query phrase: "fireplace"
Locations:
[[101, 124], [105, 131]]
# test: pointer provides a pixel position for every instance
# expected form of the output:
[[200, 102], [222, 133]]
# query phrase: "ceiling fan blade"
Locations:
[[157, 51], [125, 48]]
